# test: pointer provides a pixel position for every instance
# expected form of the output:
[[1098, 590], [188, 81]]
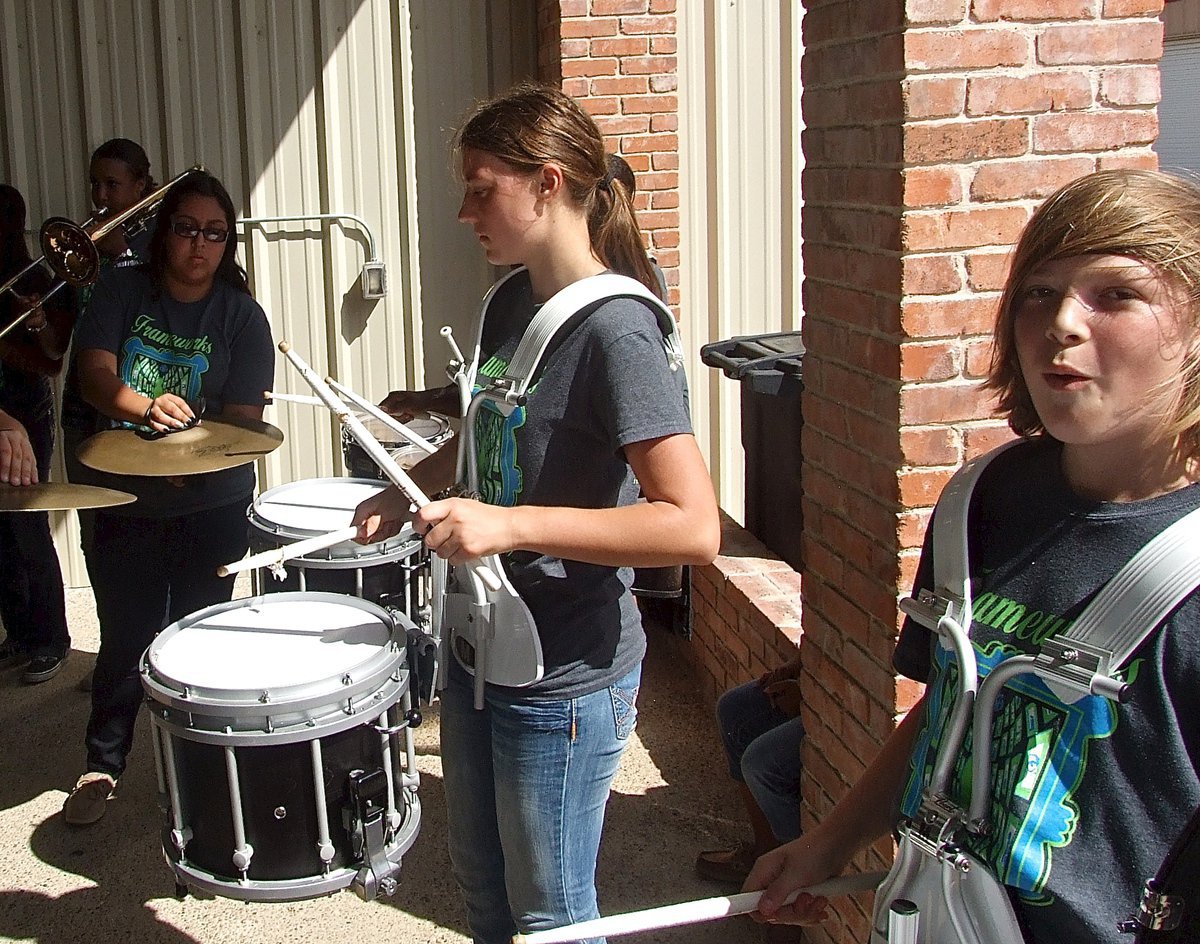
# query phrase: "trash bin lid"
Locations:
[[737, 357]]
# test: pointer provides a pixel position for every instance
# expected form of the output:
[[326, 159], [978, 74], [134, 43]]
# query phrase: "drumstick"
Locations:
[[385, 418], [371, 445], [292, 398], [692, 912], [289, 551]]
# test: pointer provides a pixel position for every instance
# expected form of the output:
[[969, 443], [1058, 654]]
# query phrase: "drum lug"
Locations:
[[180, 838], [369, 791], [1156, 912]]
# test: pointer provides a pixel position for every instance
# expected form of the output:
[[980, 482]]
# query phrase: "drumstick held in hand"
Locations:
[[398, 476], [387, 420], [692, 912], [289, 551]]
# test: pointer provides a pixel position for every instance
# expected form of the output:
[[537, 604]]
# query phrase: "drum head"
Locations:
[[298, 510], [274, 649]]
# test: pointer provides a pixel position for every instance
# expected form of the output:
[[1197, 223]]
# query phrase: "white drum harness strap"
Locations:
[[494, 631], [957, 900]]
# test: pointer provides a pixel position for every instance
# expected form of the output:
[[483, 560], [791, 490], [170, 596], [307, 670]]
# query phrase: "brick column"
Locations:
[[934, 128], [617, 57]]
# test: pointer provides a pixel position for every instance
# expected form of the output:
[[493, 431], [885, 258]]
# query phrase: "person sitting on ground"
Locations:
[[761, 731]]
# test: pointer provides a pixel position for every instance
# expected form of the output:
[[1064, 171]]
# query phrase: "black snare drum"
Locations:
[[432, 427]]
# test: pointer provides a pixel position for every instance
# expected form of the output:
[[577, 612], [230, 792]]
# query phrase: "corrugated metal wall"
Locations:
[[740, 168], [304, 107]]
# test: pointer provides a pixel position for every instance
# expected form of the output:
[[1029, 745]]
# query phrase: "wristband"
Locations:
[[32, 330], [146, 415]]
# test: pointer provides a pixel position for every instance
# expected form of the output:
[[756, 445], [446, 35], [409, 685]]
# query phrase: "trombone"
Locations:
[[69, 248]]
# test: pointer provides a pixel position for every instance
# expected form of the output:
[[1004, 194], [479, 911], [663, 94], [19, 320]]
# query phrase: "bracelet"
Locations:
[[146, 415], [39, 328]]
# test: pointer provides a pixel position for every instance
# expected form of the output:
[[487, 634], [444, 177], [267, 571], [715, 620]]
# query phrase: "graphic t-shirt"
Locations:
[[217, 350], [1087, 795], [606, 385]]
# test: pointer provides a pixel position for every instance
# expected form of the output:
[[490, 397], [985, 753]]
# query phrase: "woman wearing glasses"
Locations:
[[157, 346]]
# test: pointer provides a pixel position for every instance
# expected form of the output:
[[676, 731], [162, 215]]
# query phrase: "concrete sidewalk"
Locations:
[[109, 882]]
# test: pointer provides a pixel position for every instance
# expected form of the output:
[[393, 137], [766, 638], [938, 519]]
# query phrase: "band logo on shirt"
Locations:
[[500, 476], [1039, 757], [153, 371]]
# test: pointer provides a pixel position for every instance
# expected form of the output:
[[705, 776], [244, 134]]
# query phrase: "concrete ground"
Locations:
[[109, 883]]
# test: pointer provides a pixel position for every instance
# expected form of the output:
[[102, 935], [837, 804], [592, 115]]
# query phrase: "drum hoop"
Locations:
[[286, 699], [348, 554], [255, 727], [444, 433]]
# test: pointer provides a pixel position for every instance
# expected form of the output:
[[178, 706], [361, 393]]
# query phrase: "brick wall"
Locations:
[[934, 128], [618, 57]]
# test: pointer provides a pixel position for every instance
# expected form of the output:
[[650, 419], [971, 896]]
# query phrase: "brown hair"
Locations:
[[1150, 216], [532, 125]]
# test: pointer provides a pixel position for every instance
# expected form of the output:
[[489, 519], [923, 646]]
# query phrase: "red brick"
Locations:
[[618, 7], [943, 317], [624, 85], [981, 439], [950, 229], [930, 186], [1100, 131], [573, 48], [660, 123], [623, 124], [933, 445], [955, 50], [979, 359], [662, 6], [1032, 94], [947, 142], [667, 180], [1136, 85], [576, 67], [664, 45], [1138, 160], [665, 200], [576, 87], [664, 83], [1104, 42], [1122, 8], [1026, 178], [648, 65], [1031, 10], [572, 8], [986, 271], [933, 360], [600, 106], [921, 487], [588, 27], [943, 403], [638, 104], [648, 24], [934, 97], [930, 275], [625, 46], [927, 12]]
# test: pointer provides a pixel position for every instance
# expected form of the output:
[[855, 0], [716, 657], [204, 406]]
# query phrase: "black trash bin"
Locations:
[[770, 369]]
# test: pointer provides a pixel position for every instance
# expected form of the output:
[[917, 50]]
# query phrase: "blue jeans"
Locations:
[[526, 785], [762, 745]]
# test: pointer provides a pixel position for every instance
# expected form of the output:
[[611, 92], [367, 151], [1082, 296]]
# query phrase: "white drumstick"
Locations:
[[385, 418], [692, 912], [292, 398], [371, 446], [288, 551]]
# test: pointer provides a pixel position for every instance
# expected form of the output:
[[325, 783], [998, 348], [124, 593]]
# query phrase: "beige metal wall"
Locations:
[[1181, 19], [740, 170], [304, 107]]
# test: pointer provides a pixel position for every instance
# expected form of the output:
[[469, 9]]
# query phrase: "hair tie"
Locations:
[[606, 182]]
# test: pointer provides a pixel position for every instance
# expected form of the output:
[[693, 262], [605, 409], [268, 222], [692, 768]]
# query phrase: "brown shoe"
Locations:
[[89, 799], [730, 866]]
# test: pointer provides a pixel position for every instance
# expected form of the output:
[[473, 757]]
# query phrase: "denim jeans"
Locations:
[[762, 745], [526, 785]]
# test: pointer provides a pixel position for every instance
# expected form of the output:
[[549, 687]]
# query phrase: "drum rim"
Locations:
[[401, 544], [371, 673]]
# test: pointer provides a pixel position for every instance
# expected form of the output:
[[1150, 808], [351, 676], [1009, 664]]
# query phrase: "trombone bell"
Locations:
[[69, 251]]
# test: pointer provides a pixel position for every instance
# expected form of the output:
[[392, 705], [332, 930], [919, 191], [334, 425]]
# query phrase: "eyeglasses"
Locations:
[[187, 229]]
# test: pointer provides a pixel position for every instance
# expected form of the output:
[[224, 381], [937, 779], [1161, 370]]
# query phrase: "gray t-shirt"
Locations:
[[1086, 798], [218, 349], [606, 385]]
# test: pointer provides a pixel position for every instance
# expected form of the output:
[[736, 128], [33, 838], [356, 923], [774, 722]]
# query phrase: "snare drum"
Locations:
[[282, 742], [298, 510], [429, 426]]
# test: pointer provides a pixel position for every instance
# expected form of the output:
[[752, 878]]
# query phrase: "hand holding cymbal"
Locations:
[[209, 446]]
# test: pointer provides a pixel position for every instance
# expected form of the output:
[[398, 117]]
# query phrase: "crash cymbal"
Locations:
[[59, 496], [209, 446]]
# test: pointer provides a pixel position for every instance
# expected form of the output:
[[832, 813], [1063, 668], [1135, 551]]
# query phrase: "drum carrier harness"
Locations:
[[936, 891], [492, 633]]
